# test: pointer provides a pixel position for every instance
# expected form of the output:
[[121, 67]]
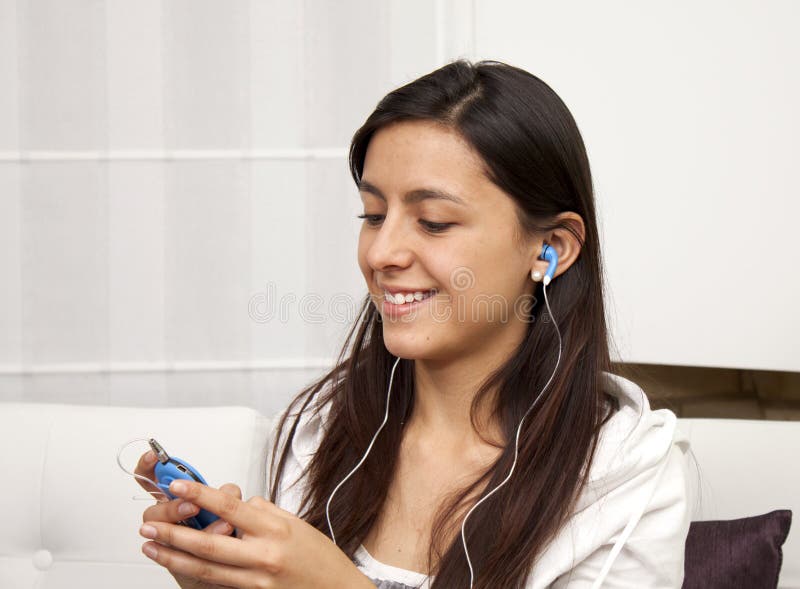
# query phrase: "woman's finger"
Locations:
[[231, 489], [180, 563], [177, 510], [220, 526], [170, 511], [209, 547], [243, 515], [146, 468]]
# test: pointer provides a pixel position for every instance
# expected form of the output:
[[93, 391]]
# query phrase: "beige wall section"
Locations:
[[694, 391]]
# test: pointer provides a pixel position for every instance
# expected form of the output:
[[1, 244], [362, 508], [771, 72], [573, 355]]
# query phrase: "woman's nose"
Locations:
[[390, 246]]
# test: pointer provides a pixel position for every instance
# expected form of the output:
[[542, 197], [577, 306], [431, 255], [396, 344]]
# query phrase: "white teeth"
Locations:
[[401, 298]]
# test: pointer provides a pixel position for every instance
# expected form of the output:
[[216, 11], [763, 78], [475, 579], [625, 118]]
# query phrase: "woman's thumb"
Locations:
[[231, 489]]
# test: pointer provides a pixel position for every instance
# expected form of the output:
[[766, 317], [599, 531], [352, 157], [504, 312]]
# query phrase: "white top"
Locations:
[[628, 528]]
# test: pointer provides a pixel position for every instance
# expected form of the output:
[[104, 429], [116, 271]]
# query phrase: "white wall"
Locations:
[[165, 164], [689, 112]]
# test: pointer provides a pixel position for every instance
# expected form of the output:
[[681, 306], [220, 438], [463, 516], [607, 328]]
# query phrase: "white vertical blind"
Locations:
[[165, 168]]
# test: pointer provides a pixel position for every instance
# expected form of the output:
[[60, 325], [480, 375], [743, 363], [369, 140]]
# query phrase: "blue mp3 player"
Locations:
[[169, 468]]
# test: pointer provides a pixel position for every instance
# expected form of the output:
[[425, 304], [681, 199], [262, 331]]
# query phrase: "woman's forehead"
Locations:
[[418, 161]]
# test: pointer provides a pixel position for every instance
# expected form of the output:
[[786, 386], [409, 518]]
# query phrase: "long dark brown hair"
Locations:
[[533, 151]]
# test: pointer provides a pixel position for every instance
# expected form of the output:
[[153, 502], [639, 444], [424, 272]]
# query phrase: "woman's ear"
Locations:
[[563, 240]]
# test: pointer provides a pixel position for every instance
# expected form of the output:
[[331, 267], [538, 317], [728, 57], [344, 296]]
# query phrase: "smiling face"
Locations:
[[435, 221]]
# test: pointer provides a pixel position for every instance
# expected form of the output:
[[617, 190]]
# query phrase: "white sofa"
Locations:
[[70, 521]]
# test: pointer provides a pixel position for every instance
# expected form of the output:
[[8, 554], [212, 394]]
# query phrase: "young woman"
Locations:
[[472, 433]]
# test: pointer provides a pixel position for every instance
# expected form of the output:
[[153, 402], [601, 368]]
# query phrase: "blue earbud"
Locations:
[[549, 254]]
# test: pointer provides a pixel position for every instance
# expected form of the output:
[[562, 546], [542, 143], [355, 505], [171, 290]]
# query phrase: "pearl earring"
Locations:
[[536, 275]]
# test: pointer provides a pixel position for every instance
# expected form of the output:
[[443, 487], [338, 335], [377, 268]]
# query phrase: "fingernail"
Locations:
[[150, 551], [186, 508], [148, 531], [223, 528], [177, 487], [150, 456]]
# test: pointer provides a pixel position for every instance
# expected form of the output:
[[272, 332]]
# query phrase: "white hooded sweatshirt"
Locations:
[[628, 529]]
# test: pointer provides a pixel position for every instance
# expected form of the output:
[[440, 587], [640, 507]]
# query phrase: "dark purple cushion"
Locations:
[[739, 553]]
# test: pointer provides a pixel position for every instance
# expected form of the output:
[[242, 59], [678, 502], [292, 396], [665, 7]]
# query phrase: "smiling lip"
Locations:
[[397, 310], [406, 289]]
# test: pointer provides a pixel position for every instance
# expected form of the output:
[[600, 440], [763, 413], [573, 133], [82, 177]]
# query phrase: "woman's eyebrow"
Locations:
[[412, 196]]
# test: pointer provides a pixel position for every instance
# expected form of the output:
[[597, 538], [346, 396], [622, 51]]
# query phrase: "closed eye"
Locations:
[[372, 220], [435, 227], [430, 226]]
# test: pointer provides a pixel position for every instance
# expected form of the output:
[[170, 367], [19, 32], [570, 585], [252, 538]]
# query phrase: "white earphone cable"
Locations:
[[385, 418], [516, 442], [138, 476]]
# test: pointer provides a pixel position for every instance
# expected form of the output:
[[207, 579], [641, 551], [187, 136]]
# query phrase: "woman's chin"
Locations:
[[415, 347], [406, 346]]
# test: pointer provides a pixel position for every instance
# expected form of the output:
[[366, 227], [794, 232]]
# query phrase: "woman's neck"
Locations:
[[443, 394]]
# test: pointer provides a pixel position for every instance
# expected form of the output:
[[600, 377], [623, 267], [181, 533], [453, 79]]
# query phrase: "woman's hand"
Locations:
[[176, 510], [274, 548]]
